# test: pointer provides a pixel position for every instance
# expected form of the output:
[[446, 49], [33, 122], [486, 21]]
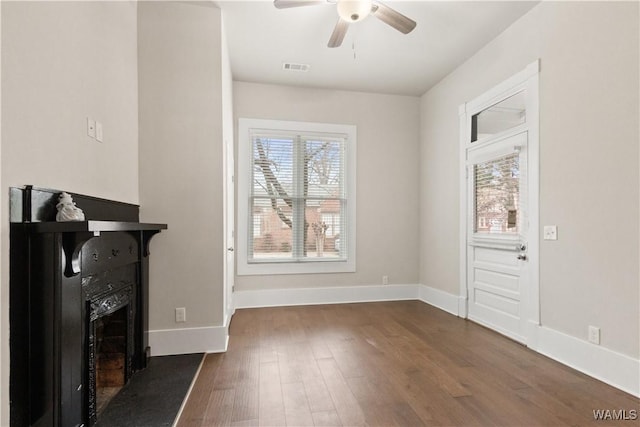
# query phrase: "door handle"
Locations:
[[522, 257], [230, 249]]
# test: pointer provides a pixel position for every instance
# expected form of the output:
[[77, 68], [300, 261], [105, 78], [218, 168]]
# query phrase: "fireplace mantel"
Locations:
[[56, 271], [76, 233], [90, 226]]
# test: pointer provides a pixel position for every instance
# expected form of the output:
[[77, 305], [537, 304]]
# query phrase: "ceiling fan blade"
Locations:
[[338, 34], [392, 17], [285, 4]]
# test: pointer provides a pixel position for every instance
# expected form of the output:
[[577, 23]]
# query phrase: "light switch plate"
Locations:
[[91, 127], [550, 232], [99, 134]]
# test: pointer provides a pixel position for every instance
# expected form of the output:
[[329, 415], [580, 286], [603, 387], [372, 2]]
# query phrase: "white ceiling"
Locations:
[[261, 38]]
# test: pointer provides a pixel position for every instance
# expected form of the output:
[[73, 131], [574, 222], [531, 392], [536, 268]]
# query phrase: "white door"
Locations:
[[499, 207], [498, 235], [229, 226]]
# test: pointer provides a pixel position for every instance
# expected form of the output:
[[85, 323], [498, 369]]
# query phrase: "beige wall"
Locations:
[[4, 288], [179, 47], [589, 122], [387, 176], [55, 73]]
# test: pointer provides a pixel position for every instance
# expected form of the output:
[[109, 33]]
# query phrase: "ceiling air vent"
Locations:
[[295, 67]]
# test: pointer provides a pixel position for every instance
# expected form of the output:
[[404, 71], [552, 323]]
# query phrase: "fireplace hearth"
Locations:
[[78, 308]]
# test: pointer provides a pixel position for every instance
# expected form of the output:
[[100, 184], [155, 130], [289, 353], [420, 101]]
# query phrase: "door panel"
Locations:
[[497, 258], [501, 305], [504, 282]]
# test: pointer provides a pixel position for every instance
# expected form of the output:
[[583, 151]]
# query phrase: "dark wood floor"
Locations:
[[387, 364]]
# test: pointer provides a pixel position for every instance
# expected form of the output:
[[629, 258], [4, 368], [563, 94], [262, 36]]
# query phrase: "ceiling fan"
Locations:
[[350, 11]]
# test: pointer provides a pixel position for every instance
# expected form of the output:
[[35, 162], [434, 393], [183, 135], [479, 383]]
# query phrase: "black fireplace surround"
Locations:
[[65, 278]]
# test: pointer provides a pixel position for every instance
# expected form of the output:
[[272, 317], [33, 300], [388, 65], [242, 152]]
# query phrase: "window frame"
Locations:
[[244, 185]]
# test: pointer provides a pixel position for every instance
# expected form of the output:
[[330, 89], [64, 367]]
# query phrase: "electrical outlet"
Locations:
[[385, 280], [550, 232], [594, 335], [181, 314]]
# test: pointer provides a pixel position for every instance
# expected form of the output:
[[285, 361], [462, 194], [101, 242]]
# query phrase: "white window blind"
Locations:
[[497, 195], [297, 182]]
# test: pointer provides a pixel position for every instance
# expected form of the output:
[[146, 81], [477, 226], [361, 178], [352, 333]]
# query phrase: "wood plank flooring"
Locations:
[[387, 364]]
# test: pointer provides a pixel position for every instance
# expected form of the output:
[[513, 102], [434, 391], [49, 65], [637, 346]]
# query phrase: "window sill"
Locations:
[[306, 267]]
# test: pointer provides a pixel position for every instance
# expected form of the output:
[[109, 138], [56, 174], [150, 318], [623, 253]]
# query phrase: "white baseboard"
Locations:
[[440, 299], [327, 295], [213, 339], [616, 369]]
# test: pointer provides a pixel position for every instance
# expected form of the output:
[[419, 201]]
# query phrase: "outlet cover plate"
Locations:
[[594, 335], [550, 232], [181, 315]]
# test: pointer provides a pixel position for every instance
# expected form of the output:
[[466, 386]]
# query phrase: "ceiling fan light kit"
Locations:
[[351, 11], [354, 10]]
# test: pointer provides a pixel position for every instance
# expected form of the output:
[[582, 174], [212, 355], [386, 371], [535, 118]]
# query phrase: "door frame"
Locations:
[[228, 206], [527, 79]]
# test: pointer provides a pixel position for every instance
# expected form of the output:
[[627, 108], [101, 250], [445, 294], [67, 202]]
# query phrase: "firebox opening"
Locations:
[[111, 356]]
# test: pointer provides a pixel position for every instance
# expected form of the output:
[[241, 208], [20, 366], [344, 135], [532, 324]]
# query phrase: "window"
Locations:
[[497, 195], [297, 179], [506, 114]]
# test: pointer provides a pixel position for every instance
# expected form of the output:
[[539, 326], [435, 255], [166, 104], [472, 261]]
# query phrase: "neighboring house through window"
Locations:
[[297, 180]]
